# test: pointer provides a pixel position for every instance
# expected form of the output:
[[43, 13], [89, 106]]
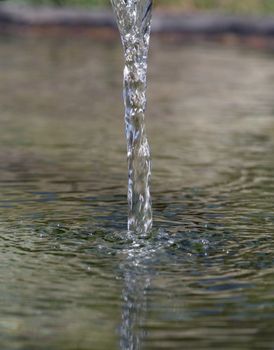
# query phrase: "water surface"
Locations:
[[70, 276]]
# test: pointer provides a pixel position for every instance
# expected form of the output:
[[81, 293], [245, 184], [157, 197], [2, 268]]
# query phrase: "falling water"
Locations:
[[134, 19]]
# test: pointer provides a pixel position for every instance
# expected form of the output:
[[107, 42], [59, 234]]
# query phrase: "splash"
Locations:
[[134, 22]]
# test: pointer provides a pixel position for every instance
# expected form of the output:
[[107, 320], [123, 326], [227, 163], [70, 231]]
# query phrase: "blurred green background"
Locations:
[[246, 6]]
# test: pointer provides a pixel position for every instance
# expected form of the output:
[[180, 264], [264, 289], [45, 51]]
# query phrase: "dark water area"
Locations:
[[70, 275]]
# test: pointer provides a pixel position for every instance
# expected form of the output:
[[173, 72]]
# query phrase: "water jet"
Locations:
[[134, 23]]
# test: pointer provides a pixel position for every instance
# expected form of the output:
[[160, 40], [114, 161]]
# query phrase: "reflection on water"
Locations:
[[70, 277], [136, 283], [137, 270]]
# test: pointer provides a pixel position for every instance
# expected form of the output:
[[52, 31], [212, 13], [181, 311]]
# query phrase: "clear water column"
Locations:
[[134, 22]]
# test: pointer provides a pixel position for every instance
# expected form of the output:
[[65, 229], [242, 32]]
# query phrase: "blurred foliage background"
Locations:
[[245, 6]]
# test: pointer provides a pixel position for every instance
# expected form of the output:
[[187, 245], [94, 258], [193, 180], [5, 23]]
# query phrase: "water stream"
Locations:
[[134, 18]]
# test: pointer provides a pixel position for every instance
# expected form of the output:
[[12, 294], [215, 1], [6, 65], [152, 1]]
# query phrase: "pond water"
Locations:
[[71, 277]]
